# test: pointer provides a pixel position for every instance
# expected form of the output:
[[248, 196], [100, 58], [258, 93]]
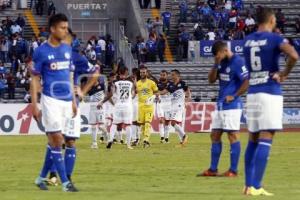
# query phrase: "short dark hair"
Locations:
[[218, 46], [57, 18], [123, 70], [176, 71], [164, 71], [143, 67], [264, 15]]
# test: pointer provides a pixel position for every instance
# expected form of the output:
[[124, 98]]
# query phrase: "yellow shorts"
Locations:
[[145, 114]]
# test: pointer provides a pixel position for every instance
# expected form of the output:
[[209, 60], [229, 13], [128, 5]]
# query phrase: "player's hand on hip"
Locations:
[[99, 106], [229, 99], [36, 112], [279, 77]]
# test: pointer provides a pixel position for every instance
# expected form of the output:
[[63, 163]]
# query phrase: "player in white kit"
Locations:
[[180, 93], [97, 116], [123, 90], [163, 108], [135, 126]]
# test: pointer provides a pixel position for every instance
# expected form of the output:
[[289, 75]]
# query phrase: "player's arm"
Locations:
[[34, 89], [108, 97], [292, 58], [242, 74], [188, 95], [74, 103], [213, 73], [35, 84]]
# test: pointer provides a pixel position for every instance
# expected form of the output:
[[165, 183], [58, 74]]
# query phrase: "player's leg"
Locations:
[[93, 125], [147, 126], [162, 129], [215, 153], [70, 156], [167, 130], [54, 119], [113, 130], [160, 114], [261, 156], [117, 121], [235, 151], [177, 116], [249, 161], [269, 120], [231, 124], [128, 131]]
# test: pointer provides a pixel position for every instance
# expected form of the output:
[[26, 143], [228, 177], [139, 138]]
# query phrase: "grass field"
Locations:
[[161, 172]]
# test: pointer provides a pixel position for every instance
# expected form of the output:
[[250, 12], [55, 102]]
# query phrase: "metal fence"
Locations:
[[124, 50]]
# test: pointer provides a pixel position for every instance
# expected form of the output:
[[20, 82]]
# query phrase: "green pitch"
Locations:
[[161, 172]]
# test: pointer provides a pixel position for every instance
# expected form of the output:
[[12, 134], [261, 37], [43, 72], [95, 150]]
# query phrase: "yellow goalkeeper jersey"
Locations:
[[145, 91]]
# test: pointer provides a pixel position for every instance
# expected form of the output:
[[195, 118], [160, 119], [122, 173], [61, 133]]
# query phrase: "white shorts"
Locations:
[[73, 126], [227, 120], [109, 110], [96, 116], [123, 114], [163, 110], [135, 111], [177, 113], [55, 113], [264, 112]]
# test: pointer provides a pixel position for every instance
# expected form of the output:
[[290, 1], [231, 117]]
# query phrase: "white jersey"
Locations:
[[123, 92], [177, 93]]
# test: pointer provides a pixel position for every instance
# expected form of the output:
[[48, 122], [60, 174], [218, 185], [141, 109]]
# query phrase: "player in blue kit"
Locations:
[[233, 75], [262, 51], [82, 70], [52, 63]]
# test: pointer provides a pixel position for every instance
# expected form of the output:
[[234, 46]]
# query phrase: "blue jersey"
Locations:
[[54, 65], [262, 53], [231, 75], [166, 16]]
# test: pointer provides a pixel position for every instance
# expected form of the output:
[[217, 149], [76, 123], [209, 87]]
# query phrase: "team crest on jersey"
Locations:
[[227, 69], [67, 55]]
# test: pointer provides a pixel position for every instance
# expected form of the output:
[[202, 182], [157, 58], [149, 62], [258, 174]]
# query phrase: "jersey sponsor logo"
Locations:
[[224, 77], [60, 65], [259, 77], [258, 43]]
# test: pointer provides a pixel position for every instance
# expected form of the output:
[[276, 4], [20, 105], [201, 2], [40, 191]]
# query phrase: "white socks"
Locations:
[[94, 134], [113, 130], [167, 131], [180, 131], [128, 135], [161, 130]]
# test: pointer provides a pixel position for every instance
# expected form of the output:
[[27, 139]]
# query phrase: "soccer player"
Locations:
[[262, 51], [97, 116], [180, 94], [146, 89], [52, 63], [163, 107], [135, 126], [123, 90], [82, 69], [233, 76]]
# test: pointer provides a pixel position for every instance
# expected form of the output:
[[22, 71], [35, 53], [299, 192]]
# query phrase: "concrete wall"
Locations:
[[116, 10]]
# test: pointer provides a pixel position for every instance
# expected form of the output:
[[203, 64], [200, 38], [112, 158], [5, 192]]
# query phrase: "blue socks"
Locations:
[[47, 163], [235, 150], [260, 161], [249, 162], [70, 157], [216, 150], [59, 163]]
